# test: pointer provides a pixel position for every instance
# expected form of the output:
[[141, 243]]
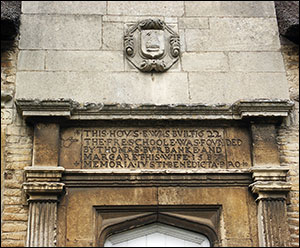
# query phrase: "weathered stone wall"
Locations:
[[75, 50], [230, 51], [288, 138], [16, 150]]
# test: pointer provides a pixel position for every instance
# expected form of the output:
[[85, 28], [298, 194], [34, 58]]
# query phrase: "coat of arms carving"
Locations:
[[151, 45]]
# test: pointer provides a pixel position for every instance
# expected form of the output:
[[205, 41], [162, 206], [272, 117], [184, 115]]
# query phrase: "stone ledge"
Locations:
[[270, 190], [270, 182], [269, 174], [43, 183], [43, 173], [160, 178], [43, 187], [72, 110]]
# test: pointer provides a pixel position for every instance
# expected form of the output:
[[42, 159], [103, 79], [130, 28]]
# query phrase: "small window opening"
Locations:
[[157, 235]]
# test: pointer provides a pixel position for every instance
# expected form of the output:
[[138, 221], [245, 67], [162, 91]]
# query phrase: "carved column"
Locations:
[[43, 186], [270, 186]]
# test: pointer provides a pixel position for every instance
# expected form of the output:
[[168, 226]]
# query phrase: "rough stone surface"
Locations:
[[235, 34], [213, 87], [193, 22], [126, 87], [256, 61], [75, 51], [288, 140], [230, 8], [84, 61], [16, 153], [235, 216], [113, 36], [209, 61], [45, 145], [64, 7], [153, 8], [60, 32], [31, 60]]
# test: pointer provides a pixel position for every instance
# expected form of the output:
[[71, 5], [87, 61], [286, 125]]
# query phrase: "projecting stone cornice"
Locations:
[[92, 111]]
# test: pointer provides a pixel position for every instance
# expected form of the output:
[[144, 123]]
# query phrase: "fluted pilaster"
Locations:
[[274, 228], [271, 188], [43, 188], [42, 224]]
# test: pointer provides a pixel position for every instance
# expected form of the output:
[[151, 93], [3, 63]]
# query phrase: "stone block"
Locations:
[[14, 209], [97, 87], [129, 19], [64, 7], [210, 61], [235, 34], [264, 85], [182, 40], [230, 8], [156, 8], [14, 236], [193, 22], [227, 88], [264, 144], [6, 116], [31, 60], [60, 32], [14, 217], [84, 61], [45, 145], [256, 61], [113, 36], [13, 243]]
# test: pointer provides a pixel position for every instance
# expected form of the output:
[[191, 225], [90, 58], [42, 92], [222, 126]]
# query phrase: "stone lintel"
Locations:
[[86, 178], [67, 108], [44, 108]]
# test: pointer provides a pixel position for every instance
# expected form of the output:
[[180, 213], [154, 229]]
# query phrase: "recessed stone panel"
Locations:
[[155, 148]]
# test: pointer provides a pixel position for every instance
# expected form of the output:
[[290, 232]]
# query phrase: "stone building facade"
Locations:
[[68, 87]]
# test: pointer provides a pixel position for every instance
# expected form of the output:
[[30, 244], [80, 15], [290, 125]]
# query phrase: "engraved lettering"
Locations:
[[159, 148]]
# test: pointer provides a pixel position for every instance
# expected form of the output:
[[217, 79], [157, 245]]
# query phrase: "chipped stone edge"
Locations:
[[163, 177], [73, 110]]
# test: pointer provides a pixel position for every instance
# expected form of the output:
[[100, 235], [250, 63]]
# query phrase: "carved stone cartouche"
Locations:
[[151, 45]]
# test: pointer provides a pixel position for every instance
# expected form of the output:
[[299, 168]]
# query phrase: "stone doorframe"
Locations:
[[44, 178]]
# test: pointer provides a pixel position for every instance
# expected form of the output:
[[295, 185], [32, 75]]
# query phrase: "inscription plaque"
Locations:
[[155, 148]]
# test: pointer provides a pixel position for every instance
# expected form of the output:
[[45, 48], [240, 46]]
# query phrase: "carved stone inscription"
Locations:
[[155, 148]]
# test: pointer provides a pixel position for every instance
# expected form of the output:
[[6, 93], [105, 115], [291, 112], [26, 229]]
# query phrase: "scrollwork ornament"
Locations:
[[129, 44], [175, 45], [149, 65]]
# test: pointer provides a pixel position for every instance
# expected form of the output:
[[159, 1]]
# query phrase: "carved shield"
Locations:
[[152, 43]]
